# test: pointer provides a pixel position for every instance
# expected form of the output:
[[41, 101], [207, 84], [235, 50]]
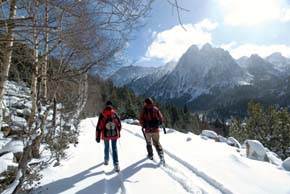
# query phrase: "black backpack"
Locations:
[[111, 128]]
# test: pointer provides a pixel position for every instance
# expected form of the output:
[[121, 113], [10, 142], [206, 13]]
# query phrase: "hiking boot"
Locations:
[[106, 162], [161, 156], [117, 168], [150, 157]]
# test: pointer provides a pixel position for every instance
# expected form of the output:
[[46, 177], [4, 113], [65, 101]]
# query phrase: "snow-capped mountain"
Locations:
[[281, 63], [105, 71], [209, 78], [142, 84], [260, 68], [200, 71], [126, 75]]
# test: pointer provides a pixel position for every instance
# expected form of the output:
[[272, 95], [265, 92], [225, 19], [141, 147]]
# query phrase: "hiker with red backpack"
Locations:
[[109, 127], [150, 120]]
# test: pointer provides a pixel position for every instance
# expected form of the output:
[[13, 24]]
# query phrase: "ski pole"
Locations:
[[164, 130], [144, 134]]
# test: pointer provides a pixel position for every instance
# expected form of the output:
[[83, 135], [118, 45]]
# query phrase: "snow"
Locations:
[[274, 158], [209, 134], [5, 161], [18, 121], [286, 164], [193, 165], [256, 150], [232, 141], [14, 146]]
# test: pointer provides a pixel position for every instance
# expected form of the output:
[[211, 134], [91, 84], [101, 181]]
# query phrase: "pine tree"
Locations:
[[237, 130], [272, 120], [283, 133], [256, 125]]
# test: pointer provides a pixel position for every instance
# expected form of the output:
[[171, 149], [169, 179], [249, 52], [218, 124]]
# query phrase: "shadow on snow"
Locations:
[[110, 186]]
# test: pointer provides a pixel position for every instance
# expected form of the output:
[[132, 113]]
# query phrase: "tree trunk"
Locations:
[[34, 81], [7, 53], [34, 97], [22, 166], [36, 142], [44, 65]]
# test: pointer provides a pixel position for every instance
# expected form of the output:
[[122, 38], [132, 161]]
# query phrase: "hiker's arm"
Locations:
[[98, 130], [99, 122], [141, 120], [160, 117]]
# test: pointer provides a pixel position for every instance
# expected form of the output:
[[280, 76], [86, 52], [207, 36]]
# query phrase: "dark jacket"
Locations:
[[101, 129], [151, 118]]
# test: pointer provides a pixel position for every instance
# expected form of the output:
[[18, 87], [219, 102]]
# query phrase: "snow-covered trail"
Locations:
[[186, 174], [83, 171], [193, 165]]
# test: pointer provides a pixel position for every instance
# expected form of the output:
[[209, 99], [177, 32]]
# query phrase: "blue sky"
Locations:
[[243, 27]]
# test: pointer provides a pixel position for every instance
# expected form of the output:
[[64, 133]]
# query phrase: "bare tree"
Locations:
[[7, 49], [78, 35]]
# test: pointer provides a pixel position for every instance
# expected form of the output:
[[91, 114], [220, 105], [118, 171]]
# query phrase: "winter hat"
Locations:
[[109, 103], [148, 100]]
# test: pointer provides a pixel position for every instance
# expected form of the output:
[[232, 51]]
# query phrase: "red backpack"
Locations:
[[111, 125], [151, 118]]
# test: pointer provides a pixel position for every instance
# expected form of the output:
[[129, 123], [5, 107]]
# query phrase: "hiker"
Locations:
[[150, 120], [109, 127]]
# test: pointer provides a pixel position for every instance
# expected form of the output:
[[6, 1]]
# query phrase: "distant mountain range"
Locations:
[[210, 79]]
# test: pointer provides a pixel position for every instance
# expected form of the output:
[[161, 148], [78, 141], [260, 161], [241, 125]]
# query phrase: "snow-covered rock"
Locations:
[[273, 158], [28, 104], [132, 121], [256, 150], [13, 146], [233, 142], [59, 106], [11, 100], [169, 130], [222, 139], [209, 134], [5, 161], [18, 121], [188, 139], [286, 164]]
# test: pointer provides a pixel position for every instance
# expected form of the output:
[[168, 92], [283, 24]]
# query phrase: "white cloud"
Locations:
[[172, 43], [252, 12], [285, 15], [206, 25], [239, 50]]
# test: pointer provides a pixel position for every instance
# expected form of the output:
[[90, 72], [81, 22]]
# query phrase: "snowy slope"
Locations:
[[194, 165]]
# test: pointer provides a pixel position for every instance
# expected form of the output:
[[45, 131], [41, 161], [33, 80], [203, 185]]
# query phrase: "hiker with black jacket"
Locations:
[[108, 128], [150, 120]]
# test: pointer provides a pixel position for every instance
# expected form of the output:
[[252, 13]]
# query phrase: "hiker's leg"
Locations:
[[157, 145], [106, 150], [149, 144], [115, 152]]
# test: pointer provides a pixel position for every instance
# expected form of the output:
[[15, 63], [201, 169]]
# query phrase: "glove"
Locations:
[[98, 136]]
